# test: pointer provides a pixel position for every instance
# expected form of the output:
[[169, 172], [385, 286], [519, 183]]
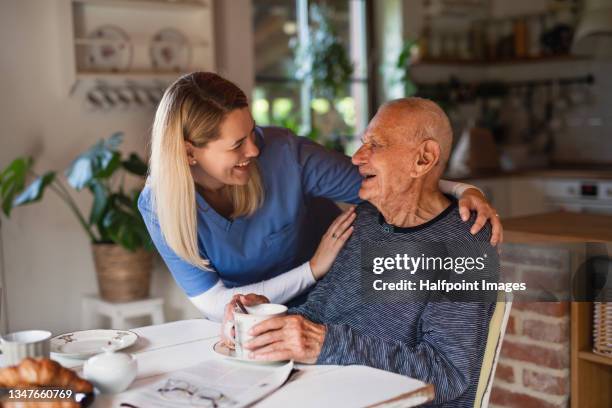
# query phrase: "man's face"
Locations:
[[385, 159]]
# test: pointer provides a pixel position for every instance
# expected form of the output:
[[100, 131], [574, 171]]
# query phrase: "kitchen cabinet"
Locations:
[[527, 196], [521, 195], [514, 196], [591, 373], [497, 191]]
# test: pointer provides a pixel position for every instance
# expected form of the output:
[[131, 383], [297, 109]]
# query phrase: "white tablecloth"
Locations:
[[175, 346]]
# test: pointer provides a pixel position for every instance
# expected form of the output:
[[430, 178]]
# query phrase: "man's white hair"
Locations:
[[431, 122]]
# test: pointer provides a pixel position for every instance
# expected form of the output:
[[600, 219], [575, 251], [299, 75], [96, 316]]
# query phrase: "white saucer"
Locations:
[[87, 343], [221, 349]]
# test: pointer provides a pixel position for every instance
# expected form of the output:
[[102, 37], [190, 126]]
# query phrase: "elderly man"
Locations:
[[404, 152]]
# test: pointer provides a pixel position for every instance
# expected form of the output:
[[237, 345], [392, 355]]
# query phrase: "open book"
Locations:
[[212, 383], [223, 383], [349, 386]]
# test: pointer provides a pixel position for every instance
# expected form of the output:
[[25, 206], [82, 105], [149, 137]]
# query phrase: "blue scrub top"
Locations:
[[283, 233]]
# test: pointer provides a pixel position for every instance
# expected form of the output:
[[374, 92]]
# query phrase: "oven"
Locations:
[[576, 195]]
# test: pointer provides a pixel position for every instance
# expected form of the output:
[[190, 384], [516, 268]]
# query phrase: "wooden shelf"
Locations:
[[141, 20], [591, 374], [104, 41], [163, 5], [513, 61], [595, 358], [129, 75]]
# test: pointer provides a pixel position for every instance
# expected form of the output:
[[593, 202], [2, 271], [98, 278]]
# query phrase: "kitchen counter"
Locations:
[[569, 172], [559, 226]]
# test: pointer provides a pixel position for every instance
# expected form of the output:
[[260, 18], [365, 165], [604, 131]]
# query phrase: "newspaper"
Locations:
[[213, 383]]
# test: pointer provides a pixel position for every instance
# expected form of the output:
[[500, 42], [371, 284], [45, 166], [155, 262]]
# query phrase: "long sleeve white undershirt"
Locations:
[[279, 289], [285, 286]]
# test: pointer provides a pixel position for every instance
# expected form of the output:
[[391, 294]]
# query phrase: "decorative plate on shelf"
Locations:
[[110, 50], [170, 51], [86, 343]]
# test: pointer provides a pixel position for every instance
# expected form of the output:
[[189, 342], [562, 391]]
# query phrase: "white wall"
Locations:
[[234, 42], [47, 258]]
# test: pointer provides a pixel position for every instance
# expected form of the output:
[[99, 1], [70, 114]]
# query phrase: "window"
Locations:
[[281, 99]]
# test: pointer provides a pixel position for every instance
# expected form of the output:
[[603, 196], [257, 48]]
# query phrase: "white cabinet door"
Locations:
[[527, 196], [514, 196], [497, 192]]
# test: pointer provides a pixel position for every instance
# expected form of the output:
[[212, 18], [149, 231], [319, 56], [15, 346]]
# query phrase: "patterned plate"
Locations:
[[86, 343], [112, 52], [170, 51]]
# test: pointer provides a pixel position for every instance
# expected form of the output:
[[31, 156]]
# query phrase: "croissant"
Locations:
[[42, 372]]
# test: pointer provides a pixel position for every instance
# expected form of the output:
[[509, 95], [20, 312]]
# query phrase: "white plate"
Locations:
[[170, 51], [112, 52], [86, 343], [221, 349]]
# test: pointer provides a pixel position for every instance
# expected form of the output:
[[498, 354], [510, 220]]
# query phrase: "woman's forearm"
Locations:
[[455, 188], [279, 289]]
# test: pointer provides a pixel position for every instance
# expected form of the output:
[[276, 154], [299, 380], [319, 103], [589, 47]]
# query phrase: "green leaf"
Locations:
[[109, 167], [99, 161], [122, 228], [35, 190], [114, 141], [325, 59], [13, 181], [123, 223], [405, 57], [100, 202], [124, 200], [135, 165]]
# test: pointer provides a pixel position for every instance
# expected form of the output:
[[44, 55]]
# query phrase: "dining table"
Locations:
[[169, 347]]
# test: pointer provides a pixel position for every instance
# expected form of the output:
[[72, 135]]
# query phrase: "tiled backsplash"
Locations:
[[583, 132], [586, 129]]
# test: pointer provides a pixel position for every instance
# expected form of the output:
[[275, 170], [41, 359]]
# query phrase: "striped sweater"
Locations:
[[441, 343]]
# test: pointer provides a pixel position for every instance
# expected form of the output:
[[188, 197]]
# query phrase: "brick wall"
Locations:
[[533, 369]]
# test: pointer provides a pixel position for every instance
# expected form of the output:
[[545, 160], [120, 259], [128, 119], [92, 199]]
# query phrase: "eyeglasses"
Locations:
[[182, 391]]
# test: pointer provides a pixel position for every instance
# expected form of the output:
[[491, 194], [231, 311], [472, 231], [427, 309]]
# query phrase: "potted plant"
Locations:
[[121, 244], [325, 62], [408, 54]]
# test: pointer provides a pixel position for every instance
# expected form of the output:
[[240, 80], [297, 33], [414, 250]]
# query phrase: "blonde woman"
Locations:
[[232, 208]]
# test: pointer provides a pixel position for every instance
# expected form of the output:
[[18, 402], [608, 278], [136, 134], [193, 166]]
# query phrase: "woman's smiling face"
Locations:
[[228, 159]]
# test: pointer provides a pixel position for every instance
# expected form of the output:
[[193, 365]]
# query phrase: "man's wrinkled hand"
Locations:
[[287, 338], [251, 299]]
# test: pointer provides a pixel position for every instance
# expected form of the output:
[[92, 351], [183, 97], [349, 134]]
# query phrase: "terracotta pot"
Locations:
[[123, 276]]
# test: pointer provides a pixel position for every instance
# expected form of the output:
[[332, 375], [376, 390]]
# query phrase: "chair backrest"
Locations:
[[497, 329]]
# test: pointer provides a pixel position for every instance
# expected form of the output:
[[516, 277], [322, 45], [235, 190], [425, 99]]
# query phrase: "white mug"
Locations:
[[28, 343], [242, 323]]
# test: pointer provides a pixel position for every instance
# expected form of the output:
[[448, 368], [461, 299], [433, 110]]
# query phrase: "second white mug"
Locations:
[[28, 343]]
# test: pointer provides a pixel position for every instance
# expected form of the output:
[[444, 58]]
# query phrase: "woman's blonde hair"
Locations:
[[192, 109]]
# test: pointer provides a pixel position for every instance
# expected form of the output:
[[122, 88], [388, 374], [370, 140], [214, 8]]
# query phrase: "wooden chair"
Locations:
[[495, 338]]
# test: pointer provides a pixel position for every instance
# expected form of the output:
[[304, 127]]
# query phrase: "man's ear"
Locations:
[[428, 155]]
